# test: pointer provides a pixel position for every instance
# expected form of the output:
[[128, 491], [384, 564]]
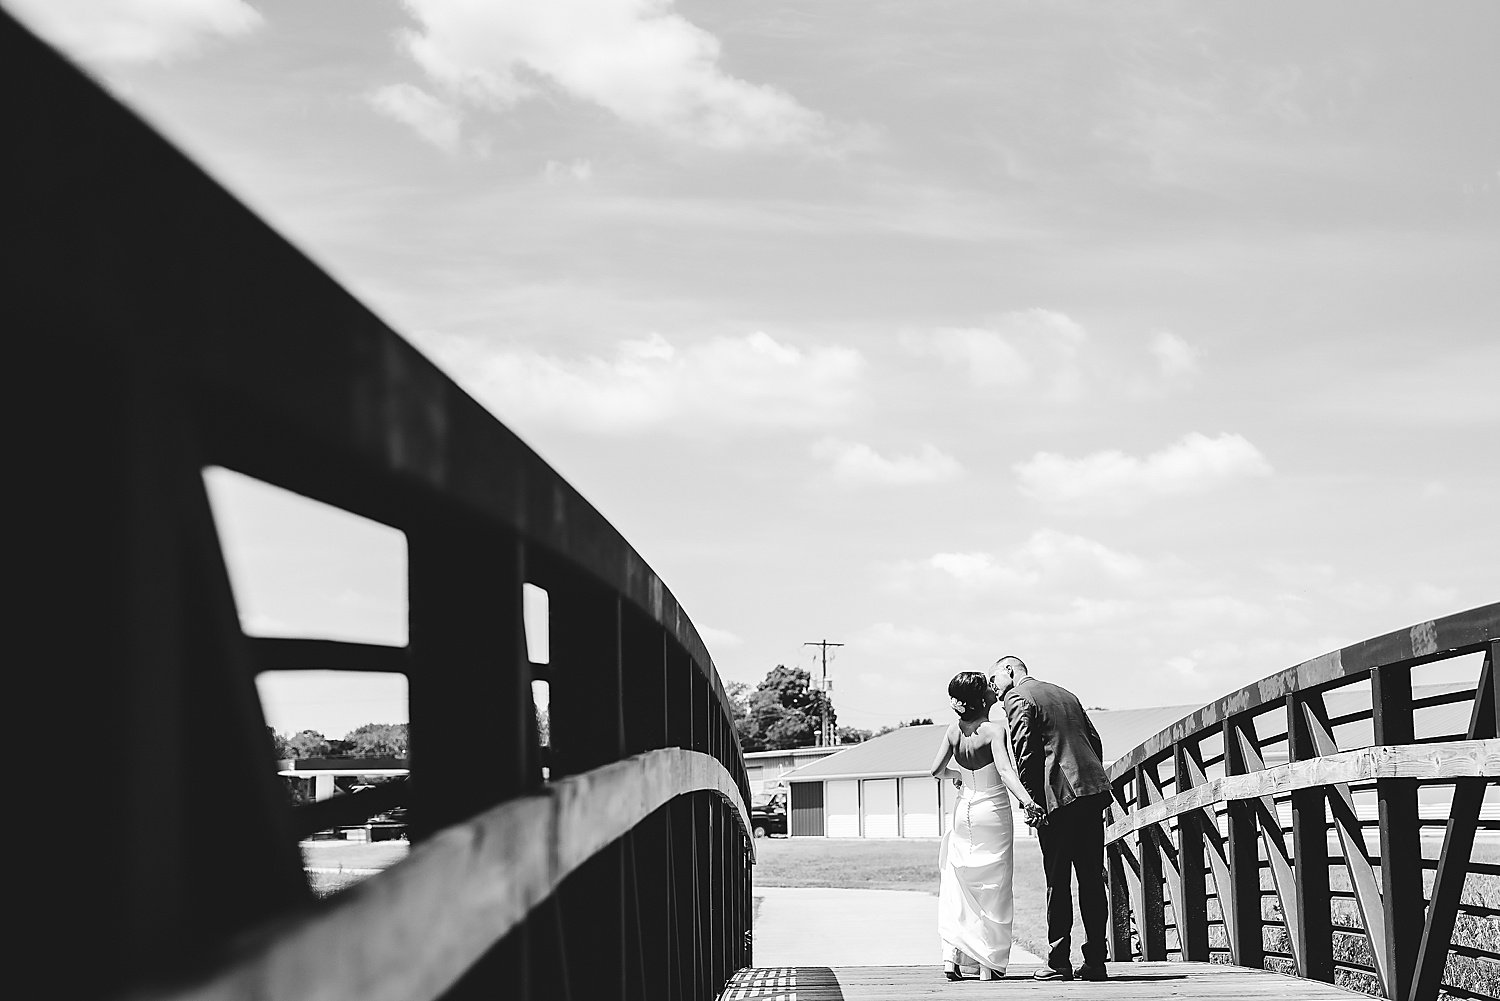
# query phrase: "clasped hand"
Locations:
[[1035, 815]]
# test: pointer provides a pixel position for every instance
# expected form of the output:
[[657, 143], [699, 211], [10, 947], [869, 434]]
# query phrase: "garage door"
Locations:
[[843, 807], [919, 808], [880, 808], [807, 809]]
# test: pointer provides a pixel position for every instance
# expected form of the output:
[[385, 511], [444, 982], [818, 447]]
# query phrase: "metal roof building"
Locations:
[[766, 770]]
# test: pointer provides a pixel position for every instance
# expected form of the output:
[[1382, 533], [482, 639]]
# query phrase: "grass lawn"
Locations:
[[350, 862], [906, 864]]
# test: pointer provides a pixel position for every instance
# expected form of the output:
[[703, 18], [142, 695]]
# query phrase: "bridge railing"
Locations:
[[167, 329], [1284, 826]]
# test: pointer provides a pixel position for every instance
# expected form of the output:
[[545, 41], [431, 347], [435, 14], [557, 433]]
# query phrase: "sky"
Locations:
[[1153, 343]]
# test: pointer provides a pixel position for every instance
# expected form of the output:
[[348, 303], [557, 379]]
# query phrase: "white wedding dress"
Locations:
[[976, 902]]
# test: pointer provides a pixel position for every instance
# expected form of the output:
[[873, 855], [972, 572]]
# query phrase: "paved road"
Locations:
[[808, 926]]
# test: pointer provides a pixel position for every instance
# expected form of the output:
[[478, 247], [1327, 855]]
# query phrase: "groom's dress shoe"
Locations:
[[1048, 973], [1087, 972]]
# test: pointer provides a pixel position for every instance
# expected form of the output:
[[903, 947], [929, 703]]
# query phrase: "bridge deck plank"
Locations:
[[1128, 982]]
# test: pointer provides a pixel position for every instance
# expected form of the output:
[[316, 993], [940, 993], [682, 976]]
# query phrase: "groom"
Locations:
[[1060, 761]]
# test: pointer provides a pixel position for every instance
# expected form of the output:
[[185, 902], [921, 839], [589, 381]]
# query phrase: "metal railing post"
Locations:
[[1402, 898], [1192, 910], [1152, 924], [586, 687], [1246, 945], [1314, 924]]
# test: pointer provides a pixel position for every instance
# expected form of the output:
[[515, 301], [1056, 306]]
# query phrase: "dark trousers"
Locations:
[[1072, 843]]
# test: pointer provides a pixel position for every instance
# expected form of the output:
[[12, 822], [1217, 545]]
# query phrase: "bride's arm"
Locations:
[[1005, 762], [940, 763]]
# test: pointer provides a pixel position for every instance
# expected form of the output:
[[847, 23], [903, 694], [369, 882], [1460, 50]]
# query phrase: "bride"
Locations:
[[977, 860]]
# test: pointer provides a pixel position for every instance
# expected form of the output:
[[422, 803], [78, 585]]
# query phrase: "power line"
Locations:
[[824, 737]]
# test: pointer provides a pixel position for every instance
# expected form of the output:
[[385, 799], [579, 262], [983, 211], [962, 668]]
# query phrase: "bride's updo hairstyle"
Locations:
[[970, 692]]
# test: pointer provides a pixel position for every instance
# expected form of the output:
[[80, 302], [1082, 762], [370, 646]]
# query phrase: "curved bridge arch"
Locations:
[[171, 330], [1200, 814], [413, 933]]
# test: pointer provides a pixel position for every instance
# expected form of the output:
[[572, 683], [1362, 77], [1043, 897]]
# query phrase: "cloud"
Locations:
[[1194, 464], [579, 170], [635, 58], [744, 383], [1046, 355], [980, 570], [433, 119], [1047, 557], [986, 356], [1175, 356], [135, 31], [857, 463], [1052, 551], [717, 639], [1038, 348]]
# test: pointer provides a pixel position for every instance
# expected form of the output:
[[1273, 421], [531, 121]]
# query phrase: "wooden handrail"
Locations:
[[409, 935], [1215, 831], [165, 328], [1452, 635], [1446, 760]]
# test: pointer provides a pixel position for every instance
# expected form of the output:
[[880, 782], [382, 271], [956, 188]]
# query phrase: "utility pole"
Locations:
[[824, 737]]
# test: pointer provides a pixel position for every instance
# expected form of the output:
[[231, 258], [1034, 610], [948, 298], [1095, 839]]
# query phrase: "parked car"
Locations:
[[768, 814]]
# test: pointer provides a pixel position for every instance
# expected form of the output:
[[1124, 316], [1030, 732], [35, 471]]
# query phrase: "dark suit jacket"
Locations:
[[1059, 757]]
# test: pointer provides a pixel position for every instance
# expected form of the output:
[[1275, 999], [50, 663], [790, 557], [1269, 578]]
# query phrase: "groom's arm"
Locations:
[[1031, 749]]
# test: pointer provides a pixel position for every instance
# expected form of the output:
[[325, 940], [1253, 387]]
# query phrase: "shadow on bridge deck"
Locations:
[[1128, 982]]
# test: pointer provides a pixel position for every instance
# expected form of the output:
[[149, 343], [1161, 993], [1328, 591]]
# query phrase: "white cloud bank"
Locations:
[[1049, 560], [1047, 356], [1175, 356], [578, 170], [1194, 464], [635, 58], [719, 639], [747, 383], [1015, 350], [1045, 554], [135, 31], [857, 463], [431, 118]]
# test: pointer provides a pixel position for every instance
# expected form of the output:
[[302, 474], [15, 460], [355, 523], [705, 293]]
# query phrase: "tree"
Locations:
[[853, 735], [283, 748], [917, 721], [308, 744], [378, 740], [738, 695], [785, 711]]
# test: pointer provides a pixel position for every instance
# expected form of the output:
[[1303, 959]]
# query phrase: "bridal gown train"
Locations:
[[976, 902]]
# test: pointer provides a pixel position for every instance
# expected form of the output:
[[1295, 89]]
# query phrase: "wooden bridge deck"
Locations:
[[1128, 982]]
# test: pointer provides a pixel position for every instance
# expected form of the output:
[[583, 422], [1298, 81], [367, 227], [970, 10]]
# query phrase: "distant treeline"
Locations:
[[368, 741]]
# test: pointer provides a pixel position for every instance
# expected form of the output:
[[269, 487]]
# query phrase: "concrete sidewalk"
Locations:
[[810, 926]]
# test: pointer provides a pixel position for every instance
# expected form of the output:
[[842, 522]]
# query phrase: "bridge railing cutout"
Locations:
[[1330, 821], [191, 335]]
